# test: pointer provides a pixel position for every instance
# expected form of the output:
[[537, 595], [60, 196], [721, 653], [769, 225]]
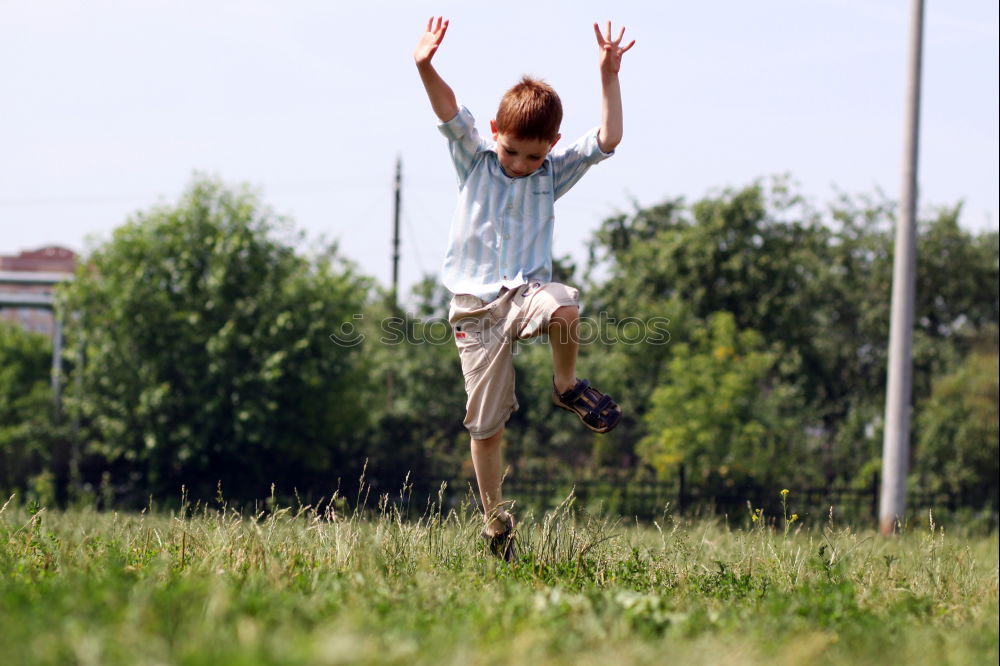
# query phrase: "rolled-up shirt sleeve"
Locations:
[[569, 165], [464, 142]]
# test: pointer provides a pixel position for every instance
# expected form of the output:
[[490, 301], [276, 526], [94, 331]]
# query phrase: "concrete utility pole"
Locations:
[[896, 443]]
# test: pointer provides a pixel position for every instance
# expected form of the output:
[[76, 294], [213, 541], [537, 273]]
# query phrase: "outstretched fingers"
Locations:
[[605, 41], [439, 29], [430, 40]]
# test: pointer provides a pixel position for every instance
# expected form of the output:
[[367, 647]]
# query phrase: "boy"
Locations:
[[499, 261]]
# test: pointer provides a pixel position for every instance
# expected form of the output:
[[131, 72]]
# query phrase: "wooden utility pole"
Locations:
[[394, 306], [896, 442], [395, 237]]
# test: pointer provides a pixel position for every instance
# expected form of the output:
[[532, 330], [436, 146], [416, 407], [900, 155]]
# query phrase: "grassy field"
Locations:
[[326, 586]]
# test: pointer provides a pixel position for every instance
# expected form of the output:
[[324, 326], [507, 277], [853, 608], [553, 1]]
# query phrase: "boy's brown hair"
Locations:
[[530, 110]]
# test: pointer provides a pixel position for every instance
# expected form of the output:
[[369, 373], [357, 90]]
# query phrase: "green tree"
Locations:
[[958, 444], [723, 410], [817, 283], [208, 350], [757, 253], [415, 394], [956, 300], [28, 437]]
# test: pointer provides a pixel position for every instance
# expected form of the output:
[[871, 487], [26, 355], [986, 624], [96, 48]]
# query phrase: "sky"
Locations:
[[113, 107]]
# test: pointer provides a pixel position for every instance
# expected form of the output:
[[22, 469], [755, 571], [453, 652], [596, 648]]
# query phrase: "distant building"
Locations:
[[51, 260]]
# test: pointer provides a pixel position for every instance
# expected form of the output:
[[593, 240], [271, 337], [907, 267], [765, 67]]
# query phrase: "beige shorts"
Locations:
[[485, 333]]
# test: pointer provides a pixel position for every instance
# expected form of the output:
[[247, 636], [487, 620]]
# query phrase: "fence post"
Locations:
[[681, 489]]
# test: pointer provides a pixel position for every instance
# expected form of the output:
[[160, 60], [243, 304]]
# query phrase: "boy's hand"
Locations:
[[430, 40], [441, 95], [610, 133], [611, 50]]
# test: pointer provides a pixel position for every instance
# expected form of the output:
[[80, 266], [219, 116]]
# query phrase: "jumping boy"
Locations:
[[499, 261]]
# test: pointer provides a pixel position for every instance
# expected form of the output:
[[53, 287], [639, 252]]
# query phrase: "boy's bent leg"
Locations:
[[564, 338], [554, 309], [486, 460]]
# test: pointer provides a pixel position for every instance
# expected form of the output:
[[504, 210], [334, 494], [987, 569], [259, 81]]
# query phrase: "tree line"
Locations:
[[207, 346]]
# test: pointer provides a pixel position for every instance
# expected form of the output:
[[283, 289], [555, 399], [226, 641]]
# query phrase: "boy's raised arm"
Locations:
[[440, 93], [610, 134]]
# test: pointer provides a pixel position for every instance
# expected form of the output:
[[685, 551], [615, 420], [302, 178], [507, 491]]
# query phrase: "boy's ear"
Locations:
[[493, 128], [555, 141]]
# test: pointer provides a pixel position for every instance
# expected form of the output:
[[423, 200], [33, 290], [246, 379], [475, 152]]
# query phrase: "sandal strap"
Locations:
[[572, 395], [605, 403]]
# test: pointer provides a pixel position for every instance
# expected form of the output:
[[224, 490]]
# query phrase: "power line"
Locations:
[[309, 187]]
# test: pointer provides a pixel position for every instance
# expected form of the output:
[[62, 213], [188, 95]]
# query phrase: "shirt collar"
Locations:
[[492, 148]]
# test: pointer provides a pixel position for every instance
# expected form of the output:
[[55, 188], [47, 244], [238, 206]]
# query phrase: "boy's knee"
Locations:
[[563, 325], [565, 315]]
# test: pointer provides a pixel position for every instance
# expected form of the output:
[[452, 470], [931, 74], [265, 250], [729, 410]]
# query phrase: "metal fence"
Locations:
[[648, 500]]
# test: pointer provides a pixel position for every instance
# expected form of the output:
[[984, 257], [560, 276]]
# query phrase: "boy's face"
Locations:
[[520, 157]]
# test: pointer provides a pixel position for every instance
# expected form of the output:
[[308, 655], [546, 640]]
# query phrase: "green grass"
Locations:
[[312, 586]]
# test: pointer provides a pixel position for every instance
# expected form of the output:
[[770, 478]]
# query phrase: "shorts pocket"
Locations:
[[471, 348]]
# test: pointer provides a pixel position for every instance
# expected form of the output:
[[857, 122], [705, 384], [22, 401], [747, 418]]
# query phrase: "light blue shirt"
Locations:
[[501, 233]]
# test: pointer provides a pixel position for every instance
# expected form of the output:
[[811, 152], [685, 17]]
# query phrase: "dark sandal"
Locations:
[[502, 545], [597, 411]]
